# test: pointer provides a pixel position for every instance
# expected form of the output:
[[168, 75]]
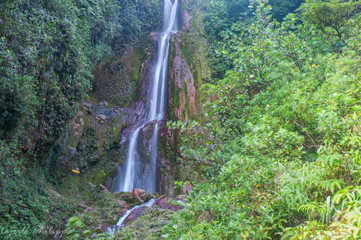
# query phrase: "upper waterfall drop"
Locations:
[[133, 173], [157, 99], [171, 21]]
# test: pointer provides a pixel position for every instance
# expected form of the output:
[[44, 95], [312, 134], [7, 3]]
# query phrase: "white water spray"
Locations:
[[120, 223], [129, 175]]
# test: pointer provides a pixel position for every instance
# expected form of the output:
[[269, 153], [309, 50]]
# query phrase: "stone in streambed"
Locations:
[[121, 203], [101, 117], [135, 214], [163, 222], [169, 203], [139, 193], [139, 225], [87, 107]]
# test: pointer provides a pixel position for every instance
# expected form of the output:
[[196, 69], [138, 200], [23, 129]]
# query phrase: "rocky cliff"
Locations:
[[96, 141], [187, 70]]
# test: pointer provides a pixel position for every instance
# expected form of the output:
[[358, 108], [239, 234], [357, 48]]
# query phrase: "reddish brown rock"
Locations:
[[139, 193], [169, 203], [136, 213], [104, 227], [187, 188]]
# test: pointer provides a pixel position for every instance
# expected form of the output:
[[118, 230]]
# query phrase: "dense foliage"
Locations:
[[281, 152], [225, 23], [48, 52], [218, 16], [281, 8]]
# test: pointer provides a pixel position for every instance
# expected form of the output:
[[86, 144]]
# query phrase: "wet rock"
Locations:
[[169, 203], [87, 107], [55, 194], [58, 235], [187, 188], [101, 117], [135, 214], [104, 188], [139, 225], [185, 79], [187, 20], [105, 226], [145, 139], [182, 77], [163, 222], [85, 207], [81, 121], [139, 193]]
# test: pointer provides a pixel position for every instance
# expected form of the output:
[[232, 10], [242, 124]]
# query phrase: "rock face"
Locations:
[[96, 140], [117, 79], [187, 69], [182, 90], [90, 144]]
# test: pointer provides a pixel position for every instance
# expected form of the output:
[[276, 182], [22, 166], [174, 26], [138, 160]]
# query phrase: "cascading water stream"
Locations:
[[129, 175]]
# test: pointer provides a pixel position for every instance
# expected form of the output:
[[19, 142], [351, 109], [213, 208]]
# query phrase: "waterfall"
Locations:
[[132, 174]]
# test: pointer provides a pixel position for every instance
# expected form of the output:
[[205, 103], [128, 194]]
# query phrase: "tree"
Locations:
[[331, 17]]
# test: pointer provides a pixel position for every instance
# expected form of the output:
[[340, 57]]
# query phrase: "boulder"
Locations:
[[139, 193], [104, 188], [135, 214], [163, 222], [187, 188], [55, 194], [169, 203], [101, 117]]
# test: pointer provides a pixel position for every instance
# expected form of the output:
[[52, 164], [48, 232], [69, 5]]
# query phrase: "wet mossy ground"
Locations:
[[89, 203], [148, 226]]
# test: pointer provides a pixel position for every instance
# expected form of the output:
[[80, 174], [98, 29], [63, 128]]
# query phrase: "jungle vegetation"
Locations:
[[279, 150], [49, 50]]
